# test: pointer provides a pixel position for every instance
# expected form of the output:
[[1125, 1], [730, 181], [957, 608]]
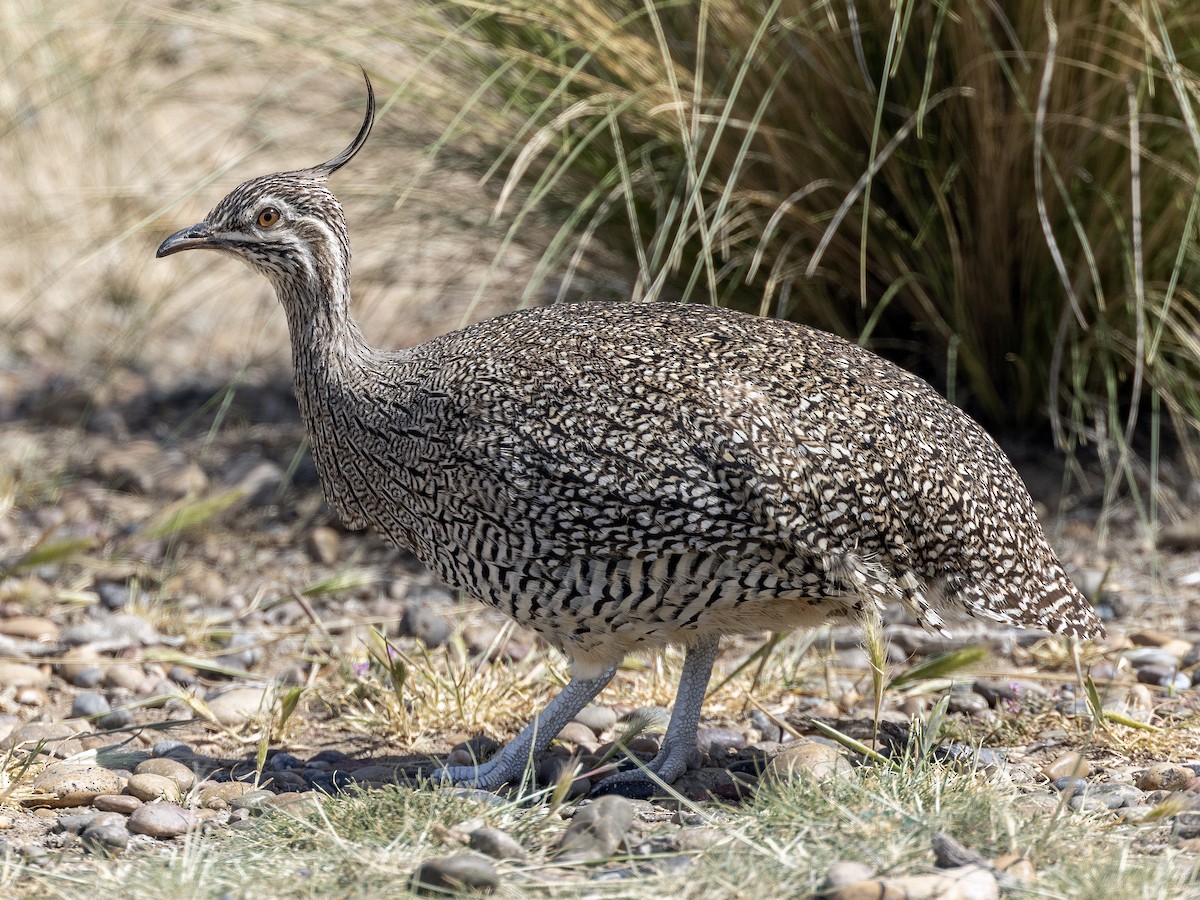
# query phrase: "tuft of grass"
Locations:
[[1002, 199]]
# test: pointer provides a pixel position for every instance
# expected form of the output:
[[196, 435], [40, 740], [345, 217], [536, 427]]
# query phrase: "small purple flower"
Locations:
[[361, 668]]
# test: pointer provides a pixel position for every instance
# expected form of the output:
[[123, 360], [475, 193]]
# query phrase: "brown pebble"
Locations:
[[1016, 867], [1071, 763], [118, 803], [1164, 777], [162, 820], [216, 795], [153, 787], [806, 759], [183, 776], [66, 784]]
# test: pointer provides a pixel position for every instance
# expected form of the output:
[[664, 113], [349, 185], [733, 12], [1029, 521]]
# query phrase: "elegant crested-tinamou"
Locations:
[[624, 476]]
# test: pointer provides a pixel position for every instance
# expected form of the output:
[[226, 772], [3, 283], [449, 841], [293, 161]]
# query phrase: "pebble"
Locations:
[[162, 820], [171, 748], [69, 784], [425, 624], [1186, 825], [460, 872], [1071, 763], [1105, 796], [1164, 676], [966, 702], [118, 718], [806, 759], [324, 544], [30, 628], [217, 795], [107, 836], [57, 735], [241, 705], [553, 769], [19, 675], [578, 734], [147, 787], [716, 741], [118, 803], [497, 844], [87, 704], [598, 718], [1164, 777], [80, 667], [962, 883], [597, 830]]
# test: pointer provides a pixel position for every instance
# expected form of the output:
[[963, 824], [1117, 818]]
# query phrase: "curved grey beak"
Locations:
[[198, 235]]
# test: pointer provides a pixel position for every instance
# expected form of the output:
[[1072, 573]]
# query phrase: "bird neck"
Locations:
[[329, 352]]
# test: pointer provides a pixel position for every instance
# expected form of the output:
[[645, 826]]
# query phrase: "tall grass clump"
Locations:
[[1002, 197]]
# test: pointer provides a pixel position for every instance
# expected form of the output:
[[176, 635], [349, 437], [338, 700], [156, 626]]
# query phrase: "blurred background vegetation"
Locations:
[[1001, 197]]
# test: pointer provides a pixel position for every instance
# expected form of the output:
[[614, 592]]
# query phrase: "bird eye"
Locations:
[[268, 217]]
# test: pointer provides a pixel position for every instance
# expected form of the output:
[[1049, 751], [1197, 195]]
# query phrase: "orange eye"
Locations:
[[268, 217]]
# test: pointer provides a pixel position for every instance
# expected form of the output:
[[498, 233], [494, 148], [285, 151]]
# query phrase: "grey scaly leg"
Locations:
[[679, 752], [509, 764]]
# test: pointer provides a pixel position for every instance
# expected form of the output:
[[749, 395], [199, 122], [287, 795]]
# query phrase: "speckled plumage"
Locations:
[[620, 477]]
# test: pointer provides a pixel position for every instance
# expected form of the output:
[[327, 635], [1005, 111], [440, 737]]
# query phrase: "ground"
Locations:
[[176, 596]]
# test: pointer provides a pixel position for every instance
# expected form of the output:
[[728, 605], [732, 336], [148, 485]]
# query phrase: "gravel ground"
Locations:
[[170, 576]]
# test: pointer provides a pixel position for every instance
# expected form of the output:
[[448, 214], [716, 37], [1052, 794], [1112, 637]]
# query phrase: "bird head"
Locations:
[[288, 226]]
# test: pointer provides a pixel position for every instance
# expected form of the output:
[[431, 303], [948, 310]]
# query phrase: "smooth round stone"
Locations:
[[806, 759], [578, 734], [1069, 784], [112, 596], [597, 830], [426, 624], [1164, 777], [19, 675], [170, 747], [768, 729], [118, 803], [118, 718], [87, 704], [1151, 656], [149, 787], [1186, 825], [31, 628], [1106, 796], [183, 777], [497, 844], [162, 820], [217, 795], [80, 667], [107, 836], [459, 873], [1070, 763], [1164, 676], [125, 676], [76, 822], [65, 784], [241, 705], [966, 702], [717, 741], [598, 718], [255, 802]]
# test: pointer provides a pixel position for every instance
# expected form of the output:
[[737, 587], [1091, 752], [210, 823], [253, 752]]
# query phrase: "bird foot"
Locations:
[[485, 777], [671, 762]]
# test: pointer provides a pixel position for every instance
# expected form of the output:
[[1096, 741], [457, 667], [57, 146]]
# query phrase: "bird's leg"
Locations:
[[679, 751], [509, 764]]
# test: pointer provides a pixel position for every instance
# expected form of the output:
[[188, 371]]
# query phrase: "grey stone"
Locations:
[[118, 718], [459, 873], [87, 704], [426, 624], [597, 830], [183, 776], [106, 836], [497, 844], [162, 820], [598, 718], [147, 787]]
